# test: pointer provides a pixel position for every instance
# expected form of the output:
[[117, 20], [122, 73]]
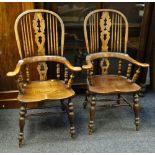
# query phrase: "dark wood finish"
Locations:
[[136, 109], [71, 116], [22, 123], [92, 114]]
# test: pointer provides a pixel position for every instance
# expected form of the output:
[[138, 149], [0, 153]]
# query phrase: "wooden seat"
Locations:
[[104, 84], [45, 90]]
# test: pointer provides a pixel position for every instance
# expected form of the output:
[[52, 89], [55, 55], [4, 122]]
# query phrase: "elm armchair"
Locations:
[[106, 30], [40, 39]]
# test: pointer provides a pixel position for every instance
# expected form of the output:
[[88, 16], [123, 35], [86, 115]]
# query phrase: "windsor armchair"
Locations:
[[106, 36], [40, 40]]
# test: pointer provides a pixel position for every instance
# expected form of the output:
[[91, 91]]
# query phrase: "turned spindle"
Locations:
[[129, 70], [119, 67], [135, 76], [58, 70], [66, 75], [70, 81]]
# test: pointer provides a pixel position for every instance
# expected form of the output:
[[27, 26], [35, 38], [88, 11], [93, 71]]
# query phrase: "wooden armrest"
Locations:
[[17, 69], [29, 60], [123, 56]]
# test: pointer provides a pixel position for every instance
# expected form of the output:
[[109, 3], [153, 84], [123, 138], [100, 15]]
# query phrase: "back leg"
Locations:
[[85, 103]]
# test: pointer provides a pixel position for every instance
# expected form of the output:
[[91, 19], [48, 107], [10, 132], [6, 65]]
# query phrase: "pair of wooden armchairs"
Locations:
[[40, 39]]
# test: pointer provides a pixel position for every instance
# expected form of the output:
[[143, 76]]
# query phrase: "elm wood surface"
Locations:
[[104, 84], [112, 84], [45, 90], [30, 27]]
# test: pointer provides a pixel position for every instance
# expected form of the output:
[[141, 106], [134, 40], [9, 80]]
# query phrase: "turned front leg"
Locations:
[[92, 114], [136, 109], [71, 116], [22, 123]]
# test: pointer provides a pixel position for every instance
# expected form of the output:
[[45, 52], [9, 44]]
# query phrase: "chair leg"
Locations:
[[136, 109], [71, 117], [92, 114], [118, 98], [22, 123], [85, 103]]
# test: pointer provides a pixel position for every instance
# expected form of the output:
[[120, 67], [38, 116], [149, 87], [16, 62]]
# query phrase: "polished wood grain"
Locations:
[[105, 84], [45, 90], [34, 59], [122, 56]]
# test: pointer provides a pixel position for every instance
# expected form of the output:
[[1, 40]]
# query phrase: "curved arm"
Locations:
[[40, 59], [123, 56], [17, 69]]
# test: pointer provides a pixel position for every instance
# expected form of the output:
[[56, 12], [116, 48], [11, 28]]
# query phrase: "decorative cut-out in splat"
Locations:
[[42, 70], [105, 25], [39, 29], [104, 64]]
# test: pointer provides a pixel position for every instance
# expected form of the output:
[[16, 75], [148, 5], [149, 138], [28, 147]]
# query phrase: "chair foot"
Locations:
[[136, 109], [71, 118], [91, 127], [72, 132], [85, 103], [22, 123], [92, 115], [21, 138]]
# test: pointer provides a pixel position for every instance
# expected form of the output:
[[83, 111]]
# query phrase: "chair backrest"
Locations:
[[39, 32], [106, 30]]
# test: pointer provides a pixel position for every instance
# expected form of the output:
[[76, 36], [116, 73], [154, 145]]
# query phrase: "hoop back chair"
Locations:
[[106, 36], [40, 39]]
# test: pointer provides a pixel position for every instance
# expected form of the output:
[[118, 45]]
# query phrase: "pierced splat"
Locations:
[[105, 25], [39, 29], [104, 64], [42, 70]]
